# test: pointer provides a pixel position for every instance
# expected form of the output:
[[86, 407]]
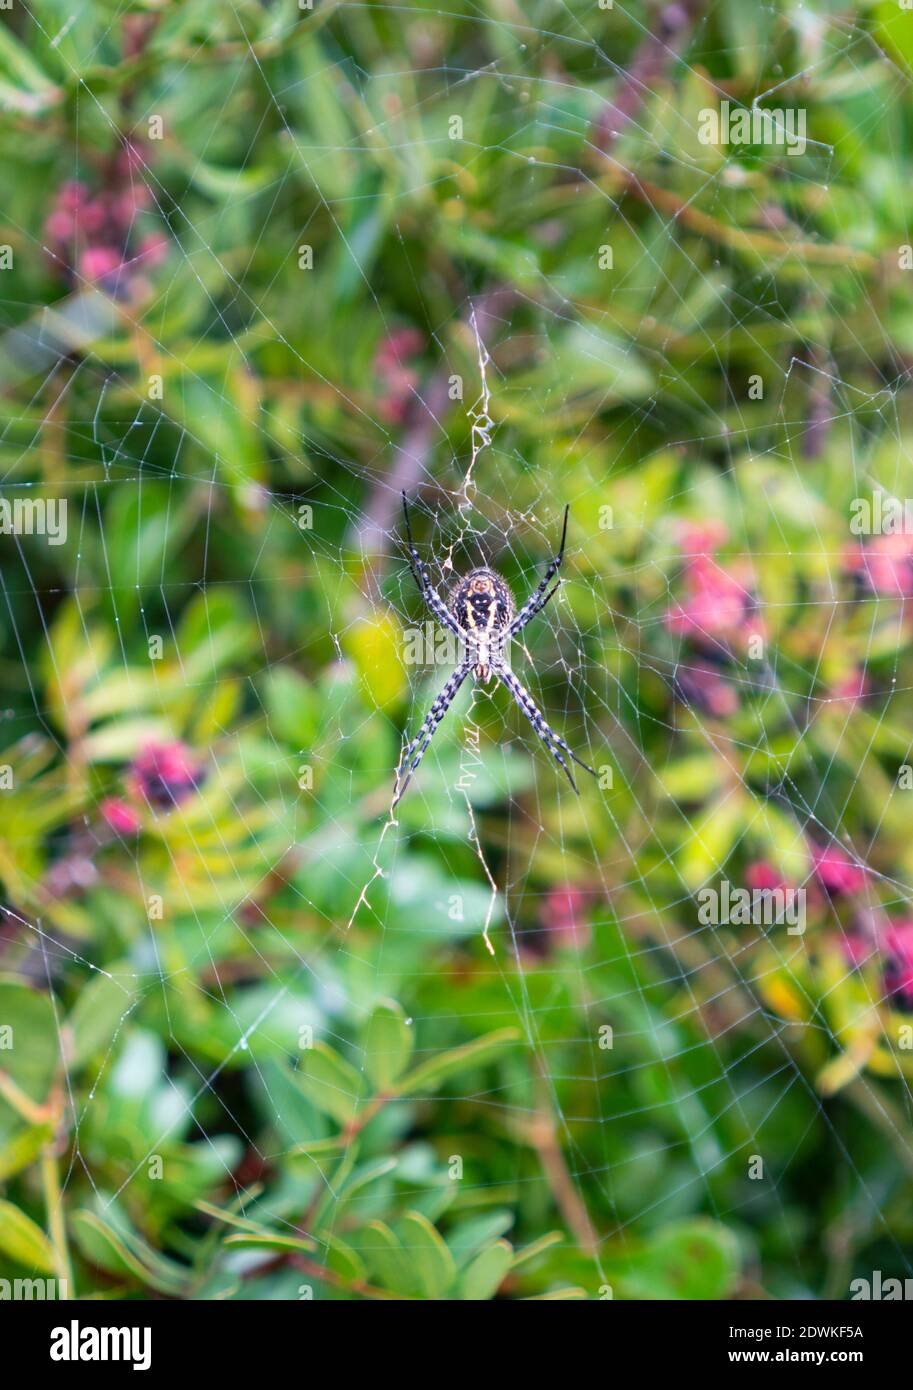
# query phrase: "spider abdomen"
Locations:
[[483, 606]]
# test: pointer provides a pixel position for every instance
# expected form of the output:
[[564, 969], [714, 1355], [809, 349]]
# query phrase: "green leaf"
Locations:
[[326, 1206], [123, 738], [29, 1049], [120, 1252], [374, 646], [590, 360], [566, 1294], [343, 1260], [368, 1173], [431, 1261], [145, 526], [310, 1147], [247, 1240], [696, 1259], [537, 1248], [226, 184], [226, 421], [712, 837], [314, 1147], [329, 1082], [779, 837], [691, 778], [475, 1234], [894, 28], [22, 1149], [23, 1241], [214, 630], [232, 1218], [33, 89], [96, 1017], [387, 1045], [431, 1073], [484, 1276], [292, 707], [387, 1259]]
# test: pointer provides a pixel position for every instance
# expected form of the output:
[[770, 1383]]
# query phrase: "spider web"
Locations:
[[700, 518]]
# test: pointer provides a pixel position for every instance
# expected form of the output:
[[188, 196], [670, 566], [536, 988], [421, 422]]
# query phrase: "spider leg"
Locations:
[[416, 749], [553, 742], [423, 579], [537, 601]]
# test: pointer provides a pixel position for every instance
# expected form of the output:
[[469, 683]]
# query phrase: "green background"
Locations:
[[459, 1126]]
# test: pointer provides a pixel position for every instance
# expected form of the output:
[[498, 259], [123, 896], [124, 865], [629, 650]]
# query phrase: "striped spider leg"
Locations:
[[423, 579], [534, 604], [416, 749], [537, 601], [553, 742]]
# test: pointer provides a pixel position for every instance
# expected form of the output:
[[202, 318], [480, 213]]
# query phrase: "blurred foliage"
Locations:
[[224, 1073]]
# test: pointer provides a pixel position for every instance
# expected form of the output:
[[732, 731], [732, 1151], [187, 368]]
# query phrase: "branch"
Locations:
[[658, 50], [423, 425]]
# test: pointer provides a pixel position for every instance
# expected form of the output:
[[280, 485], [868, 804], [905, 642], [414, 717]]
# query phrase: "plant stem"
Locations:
[[56, 1225]]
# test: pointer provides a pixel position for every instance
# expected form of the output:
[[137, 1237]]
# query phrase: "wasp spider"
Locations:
[[480, 613]]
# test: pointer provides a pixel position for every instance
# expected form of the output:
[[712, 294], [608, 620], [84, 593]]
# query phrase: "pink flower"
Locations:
[[60, 226], [72, 194], [898, 972], [120, 816], [131, 160], [715, 603], [95, 217], [397, 374], [165, 773], [563, 914], [703, 687], [762, 875], [837, 874], [851, 689], [98, 262], [702, 537], [127, 204], [857, 948], [886, 562], [95, 233], [400, 344], [153, 250]]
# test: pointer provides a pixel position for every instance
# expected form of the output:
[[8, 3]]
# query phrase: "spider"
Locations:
[[480, 612]]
